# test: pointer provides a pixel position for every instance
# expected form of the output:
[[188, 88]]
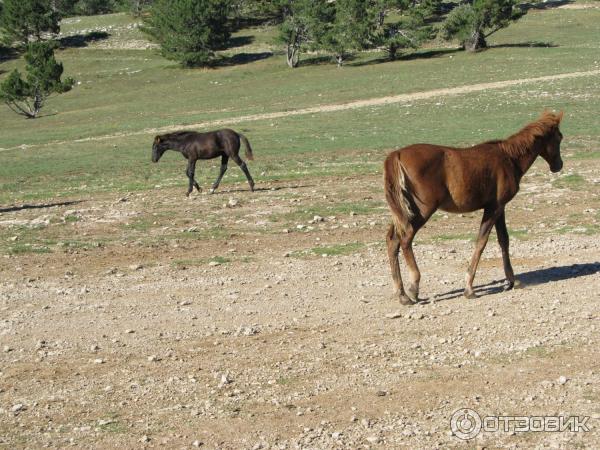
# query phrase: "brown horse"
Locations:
[[194, 146], [421, 178]]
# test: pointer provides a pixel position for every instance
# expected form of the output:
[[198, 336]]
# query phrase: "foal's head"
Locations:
[[159, 146], [551, 144]]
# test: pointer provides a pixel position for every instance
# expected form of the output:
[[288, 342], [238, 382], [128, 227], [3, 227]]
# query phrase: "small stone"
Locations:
[[98, 361], [197, 443], [94, 348], [128, 331], [225, 380], [7, 349], [153, 358], [336, 435], [18, 408], [136, 267], [232, 203], [393, 315], [562, 380], [214, 263], [373, 439], [381, 393], [145, 439]]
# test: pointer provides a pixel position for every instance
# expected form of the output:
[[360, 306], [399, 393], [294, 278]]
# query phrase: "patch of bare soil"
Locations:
[[203, 323]]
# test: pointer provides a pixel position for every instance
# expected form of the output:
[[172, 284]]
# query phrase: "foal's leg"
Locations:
[[502, 233], [240, 162], [393, 247], [411, 263], [191, 169], [488, 221], [215, 185]]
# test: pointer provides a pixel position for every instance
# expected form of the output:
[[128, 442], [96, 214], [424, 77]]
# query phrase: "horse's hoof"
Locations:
[[405, 300], [508, 286], [518, 285], [470, 294], [212, 191]]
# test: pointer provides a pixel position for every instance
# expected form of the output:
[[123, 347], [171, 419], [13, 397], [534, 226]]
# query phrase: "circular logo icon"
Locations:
[[465, 424]]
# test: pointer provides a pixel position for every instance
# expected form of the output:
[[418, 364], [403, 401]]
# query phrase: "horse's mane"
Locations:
[[520, 143], [178, 135]]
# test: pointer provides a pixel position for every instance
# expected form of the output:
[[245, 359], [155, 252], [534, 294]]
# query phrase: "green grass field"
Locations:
[[128, 91]]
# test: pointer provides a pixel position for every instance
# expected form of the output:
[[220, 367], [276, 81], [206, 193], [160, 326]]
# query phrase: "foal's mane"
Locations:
[[522, 142]]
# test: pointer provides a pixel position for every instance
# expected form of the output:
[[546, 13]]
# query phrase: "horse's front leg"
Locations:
[[503, 241], [488, 221], [191, 169]]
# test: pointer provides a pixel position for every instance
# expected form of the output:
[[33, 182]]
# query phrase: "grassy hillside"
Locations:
[[125, 88]]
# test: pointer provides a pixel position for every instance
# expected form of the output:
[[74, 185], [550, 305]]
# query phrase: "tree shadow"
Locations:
[[42, 206], [316, 60], [240, 59], [424, 54], [528, 279], [82, 40], [240, 41], [531, 44], [548, 4], [7, 53]]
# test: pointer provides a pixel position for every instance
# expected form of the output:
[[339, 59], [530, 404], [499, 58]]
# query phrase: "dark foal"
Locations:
[[194, 146], [421, 178]]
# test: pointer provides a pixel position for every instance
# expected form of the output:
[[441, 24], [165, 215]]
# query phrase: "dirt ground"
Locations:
[[241, 320]]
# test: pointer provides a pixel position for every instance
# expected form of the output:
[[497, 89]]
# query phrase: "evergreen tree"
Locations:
[[189, 31], [473, 22], [409, 30], [305, 24], [28, 96], [352, 29], [22, 20]]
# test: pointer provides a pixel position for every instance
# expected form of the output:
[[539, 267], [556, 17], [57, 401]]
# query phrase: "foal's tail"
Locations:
[[249, 154], [397, 192]]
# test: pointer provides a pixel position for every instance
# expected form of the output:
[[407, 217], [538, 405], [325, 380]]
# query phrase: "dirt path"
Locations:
[[379, 101]]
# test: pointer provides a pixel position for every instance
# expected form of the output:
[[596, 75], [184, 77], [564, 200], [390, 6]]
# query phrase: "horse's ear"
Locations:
[[157, 139], [559, 116]]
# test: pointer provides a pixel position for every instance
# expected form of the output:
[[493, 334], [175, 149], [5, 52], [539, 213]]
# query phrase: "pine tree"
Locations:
[[305, 24], [473, 22], [28, 96], [409, 30], [352, 29], [22, 20], [189, 31]]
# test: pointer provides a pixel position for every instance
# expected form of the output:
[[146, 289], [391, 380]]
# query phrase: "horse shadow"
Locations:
[[82, 40], [527, 279], [47, 205], [262, 189]]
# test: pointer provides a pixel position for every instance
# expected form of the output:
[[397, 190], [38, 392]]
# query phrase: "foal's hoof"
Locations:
[[212, 191], [405, 300], [470, 294]]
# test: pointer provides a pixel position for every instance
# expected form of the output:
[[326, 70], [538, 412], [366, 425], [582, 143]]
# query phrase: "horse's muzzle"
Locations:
[[556, 167]]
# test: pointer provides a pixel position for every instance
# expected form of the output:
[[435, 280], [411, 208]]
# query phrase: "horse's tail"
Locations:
[[397, 192], [249, 153]]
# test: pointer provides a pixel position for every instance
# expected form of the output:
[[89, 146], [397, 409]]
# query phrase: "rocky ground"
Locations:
[[265, 320]]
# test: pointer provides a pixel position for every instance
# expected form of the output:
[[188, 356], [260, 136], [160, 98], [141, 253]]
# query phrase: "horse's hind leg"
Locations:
[[240, 162], [411, 263], [224, 160], [393, 248]]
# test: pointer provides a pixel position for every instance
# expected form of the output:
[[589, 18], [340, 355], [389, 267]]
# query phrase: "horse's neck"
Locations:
[[525, 161]]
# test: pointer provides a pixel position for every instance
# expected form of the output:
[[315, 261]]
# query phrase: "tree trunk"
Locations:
[[476, 41], [392, 51], [293, 55]]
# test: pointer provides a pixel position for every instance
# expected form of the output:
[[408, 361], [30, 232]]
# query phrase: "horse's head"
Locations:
[[551, 149], [158, 148]]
